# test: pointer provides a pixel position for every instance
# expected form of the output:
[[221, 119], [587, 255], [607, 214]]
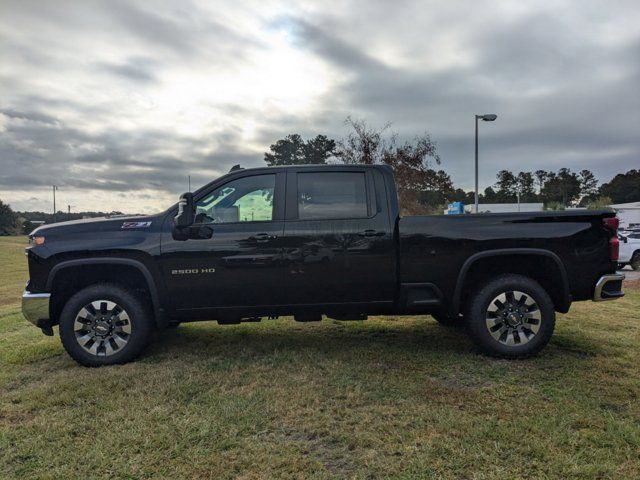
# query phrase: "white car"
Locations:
[[630, 250]]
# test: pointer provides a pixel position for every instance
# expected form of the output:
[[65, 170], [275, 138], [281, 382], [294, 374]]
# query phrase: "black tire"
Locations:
[[513, 323], [446, 320], [139, 324], [635, 261]]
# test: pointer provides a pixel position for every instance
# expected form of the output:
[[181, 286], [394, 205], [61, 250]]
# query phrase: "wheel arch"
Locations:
[[69, 273], [534, 263]]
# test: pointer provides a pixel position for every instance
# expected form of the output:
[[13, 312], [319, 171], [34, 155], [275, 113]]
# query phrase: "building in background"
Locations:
[[628, 213], [505, 207]]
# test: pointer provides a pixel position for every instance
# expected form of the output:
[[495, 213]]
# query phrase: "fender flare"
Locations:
[[565, 295], [141, 267]]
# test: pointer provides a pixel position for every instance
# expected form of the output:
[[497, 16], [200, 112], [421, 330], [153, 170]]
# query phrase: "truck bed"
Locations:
[[439, 249]]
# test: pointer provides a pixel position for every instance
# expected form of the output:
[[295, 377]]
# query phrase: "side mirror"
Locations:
[[185, 215]]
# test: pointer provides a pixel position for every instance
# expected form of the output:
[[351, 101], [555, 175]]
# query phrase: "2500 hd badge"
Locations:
[[191, 271]]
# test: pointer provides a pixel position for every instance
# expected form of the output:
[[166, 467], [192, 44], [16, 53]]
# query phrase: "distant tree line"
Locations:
[[16, 223], [425, 188]]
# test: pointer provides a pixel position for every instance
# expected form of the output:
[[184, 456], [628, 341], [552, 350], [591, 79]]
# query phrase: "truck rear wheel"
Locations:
[[511, 317], [104, 324], [635, 261]]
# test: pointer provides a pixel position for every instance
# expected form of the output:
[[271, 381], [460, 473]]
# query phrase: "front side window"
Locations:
[[248, 199], [332, 195]]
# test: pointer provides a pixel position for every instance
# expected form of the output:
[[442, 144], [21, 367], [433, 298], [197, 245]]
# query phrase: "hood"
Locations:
[[100, 224]]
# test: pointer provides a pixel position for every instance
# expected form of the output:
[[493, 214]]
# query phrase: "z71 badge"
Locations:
[[130, 225]]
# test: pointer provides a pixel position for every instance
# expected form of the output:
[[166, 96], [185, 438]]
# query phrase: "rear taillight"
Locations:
[[614, 245], [612, 224]]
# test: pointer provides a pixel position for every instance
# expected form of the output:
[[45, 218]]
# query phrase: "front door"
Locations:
[[240, 265]]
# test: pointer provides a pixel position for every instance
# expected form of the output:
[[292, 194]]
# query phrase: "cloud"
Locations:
[[117, 102], [136, 69]]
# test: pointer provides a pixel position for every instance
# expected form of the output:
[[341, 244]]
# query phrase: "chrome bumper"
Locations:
[[603, 291], [35, 307]]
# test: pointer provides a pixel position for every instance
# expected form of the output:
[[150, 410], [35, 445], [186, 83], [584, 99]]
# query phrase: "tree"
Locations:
[[411, 161], [623, 188], [510, 186], [541, 176], [525, 187], [490, 196], [562, 188], [293, 150], [319, 150], [8, 220], [588, 183], [506, 186]]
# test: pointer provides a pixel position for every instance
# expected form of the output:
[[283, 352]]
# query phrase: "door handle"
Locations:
[[371, 233], [263, 237]]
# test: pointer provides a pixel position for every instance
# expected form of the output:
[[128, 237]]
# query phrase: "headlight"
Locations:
[[38, 240]]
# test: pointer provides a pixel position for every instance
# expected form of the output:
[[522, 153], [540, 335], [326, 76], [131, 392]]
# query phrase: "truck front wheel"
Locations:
[[104, 324], [511, 317]]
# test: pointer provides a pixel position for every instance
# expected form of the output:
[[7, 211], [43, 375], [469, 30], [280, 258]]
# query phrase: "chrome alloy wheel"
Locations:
[[513, 318], [102, 328]]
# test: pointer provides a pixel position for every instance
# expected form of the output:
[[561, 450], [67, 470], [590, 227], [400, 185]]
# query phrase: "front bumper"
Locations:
[[608, 287], [35, 307]]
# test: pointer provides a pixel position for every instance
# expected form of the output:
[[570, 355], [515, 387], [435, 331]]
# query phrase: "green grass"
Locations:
[[387, 398]]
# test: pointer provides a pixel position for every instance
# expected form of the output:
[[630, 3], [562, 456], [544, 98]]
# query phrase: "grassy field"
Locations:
[[387, 398]]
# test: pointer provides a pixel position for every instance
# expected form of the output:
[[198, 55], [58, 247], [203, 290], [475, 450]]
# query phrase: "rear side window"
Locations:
[[329, 195]]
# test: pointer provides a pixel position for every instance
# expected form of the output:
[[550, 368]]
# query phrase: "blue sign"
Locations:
[[455, 208]]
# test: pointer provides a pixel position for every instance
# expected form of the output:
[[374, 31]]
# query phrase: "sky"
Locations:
[[117, 102]]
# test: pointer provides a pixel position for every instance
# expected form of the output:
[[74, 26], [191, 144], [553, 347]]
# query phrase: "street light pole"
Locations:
[[488, 117], [476, 191], [54, 204]]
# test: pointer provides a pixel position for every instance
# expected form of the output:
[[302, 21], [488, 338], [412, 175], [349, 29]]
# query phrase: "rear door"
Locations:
[[338, 243]]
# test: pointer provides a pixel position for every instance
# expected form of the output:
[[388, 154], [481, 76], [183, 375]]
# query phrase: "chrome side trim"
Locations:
[[597, 293], [35, 306]]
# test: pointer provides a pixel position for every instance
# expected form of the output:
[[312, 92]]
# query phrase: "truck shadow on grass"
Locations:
[[418, 340]]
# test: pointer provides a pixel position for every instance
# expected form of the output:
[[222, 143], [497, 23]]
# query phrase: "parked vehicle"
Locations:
[[630, 250], [313, 240]]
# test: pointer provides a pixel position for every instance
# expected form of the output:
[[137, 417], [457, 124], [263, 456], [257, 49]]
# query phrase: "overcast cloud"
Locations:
[[117, 102]]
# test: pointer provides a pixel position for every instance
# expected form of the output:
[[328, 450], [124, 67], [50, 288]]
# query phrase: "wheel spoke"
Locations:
[[520, 298], [522, 335], [120, 340], [493, 321], [534, 315], [93, 348], [510, 340], [108, 349], [83, 339], [497, 333]]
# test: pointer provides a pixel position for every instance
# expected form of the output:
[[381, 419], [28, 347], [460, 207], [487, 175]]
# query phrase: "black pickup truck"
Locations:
[[307, 241]]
